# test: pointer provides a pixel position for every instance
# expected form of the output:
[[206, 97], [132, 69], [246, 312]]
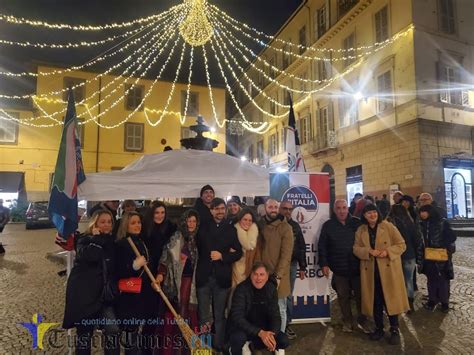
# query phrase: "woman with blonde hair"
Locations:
[[136, 288], [92, 286]]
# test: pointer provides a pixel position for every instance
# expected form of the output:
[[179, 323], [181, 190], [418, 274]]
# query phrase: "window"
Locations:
[[9, 130], [348, 45], [305, 129], [273, 145], [302, 38], [134, 137], [450, 79], [348, 110], [381, 25], [354, 183], [134, 97], [78, 91], [80, 130], [260, 151], [447, 18], [303, 82], [343, 6], [193, 103], [271, 63], [320, 21], [324, 69], [272, 107], [384, 91], [187, 133]]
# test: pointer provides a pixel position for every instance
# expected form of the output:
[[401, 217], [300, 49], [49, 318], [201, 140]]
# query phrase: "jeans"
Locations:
[[239, 338], [379, 304], [282, 306], [289, 302], [409, 266], [111, 334], [344, 287], [212, 296]]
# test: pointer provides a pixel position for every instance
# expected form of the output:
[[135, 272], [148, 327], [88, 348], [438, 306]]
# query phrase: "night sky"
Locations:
[[266, 15]]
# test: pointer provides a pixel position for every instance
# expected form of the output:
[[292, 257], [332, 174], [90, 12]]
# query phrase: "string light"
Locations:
[[151, 51], [196, 28], [60, 26], [211, 96], [221, 14], [80, 84], [70, 45], [188, 87], [94, 61]]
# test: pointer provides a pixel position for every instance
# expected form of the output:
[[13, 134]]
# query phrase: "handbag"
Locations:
[[436, 254], [130, 285]]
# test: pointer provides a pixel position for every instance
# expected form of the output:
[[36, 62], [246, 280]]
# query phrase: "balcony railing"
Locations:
[[324, 141]]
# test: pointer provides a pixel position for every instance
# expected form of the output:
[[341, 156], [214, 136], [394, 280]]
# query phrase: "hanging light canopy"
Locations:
[[196, 29]]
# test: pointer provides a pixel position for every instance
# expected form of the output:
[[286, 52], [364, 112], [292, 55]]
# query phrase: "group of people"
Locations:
[[373, 259], [225, 272]]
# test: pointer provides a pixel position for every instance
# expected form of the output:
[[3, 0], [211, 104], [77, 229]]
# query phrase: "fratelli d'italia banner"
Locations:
[[309, 194]]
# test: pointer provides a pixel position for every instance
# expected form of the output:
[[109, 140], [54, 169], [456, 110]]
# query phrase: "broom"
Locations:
[[193, 341]]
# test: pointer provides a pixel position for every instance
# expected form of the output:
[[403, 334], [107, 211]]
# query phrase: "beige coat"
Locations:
[[275, 248], [390, 268], [248, 241]]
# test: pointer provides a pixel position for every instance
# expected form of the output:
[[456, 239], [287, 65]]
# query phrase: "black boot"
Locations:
[[377, 334], [394, 336], [412, 306]]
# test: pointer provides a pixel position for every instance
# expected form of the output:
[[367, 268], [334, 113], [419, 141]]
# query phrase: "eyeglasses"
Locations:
[[287, 208]]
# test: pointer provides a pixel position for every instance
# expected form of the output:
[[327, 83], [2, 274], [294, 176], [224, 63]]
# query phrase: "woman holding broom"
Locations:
[[176, 274]]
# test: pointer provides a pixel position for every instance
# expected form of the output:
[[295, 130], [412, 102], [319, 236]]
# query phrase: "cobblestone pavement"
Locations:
[[29, 284]]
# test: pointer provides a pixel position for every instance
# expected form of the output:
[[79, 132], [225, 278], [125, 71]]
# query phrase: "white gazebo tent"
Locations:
[[177, 174]]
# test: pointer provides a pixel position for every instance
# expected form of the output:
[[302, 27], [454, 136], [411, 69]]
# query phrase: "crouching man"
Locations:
[[254, 315]]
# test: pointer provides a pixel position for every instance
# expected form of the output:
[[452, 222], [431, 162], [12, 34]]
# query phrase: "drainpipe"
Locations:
[[98, 128]]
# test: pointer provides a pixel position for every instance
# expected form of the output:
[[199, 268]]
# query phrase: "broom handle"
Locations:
[[152, 278]]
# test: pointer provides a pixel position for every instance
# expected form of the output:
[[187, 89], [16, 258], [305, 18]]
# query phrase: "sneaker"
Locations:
[[429, 306], [444, 307], [363, 327], [394, 336], [377, 334], [290, 333], [347, 328]]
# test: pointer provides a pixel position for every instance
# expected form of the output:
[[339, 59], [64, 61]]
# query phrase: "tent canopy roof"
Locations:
[[177, 174]]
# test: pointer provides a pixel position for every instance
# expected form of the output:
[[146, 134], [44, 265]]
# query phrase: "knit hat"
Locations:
[[370, 207], [206, 187], [235, 199]]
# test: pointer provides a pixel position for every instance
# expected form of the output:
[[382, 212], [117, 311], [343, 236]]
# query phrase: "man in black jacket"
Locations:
[[335, 254], [255, 314], [218, 248], [298, 258]]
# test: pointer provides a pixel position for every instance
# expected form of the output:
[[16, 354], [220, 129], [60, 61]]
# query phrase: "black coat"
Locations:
[[335, 246], [205, 216], [135, 305], [86, 281], [411, 233], [219, 237], [157, 238], [299, 248], [438, 234], [242, 302]]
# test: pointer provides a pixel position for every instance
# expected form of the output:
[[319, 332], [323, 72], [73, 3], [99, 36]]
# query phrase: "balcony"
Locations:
[[323, 142]]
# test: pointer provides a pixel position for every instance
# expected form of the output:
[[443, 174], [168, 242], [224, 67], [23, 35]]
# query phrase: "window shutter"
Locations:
[[441, 76]]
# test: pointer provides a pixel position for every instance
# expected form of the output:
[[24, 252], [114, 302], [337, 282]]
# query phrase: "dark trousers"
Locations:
[[212, 300], [438, 285], [344, 287], [111, 334], [379, 305], [239, 338]]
